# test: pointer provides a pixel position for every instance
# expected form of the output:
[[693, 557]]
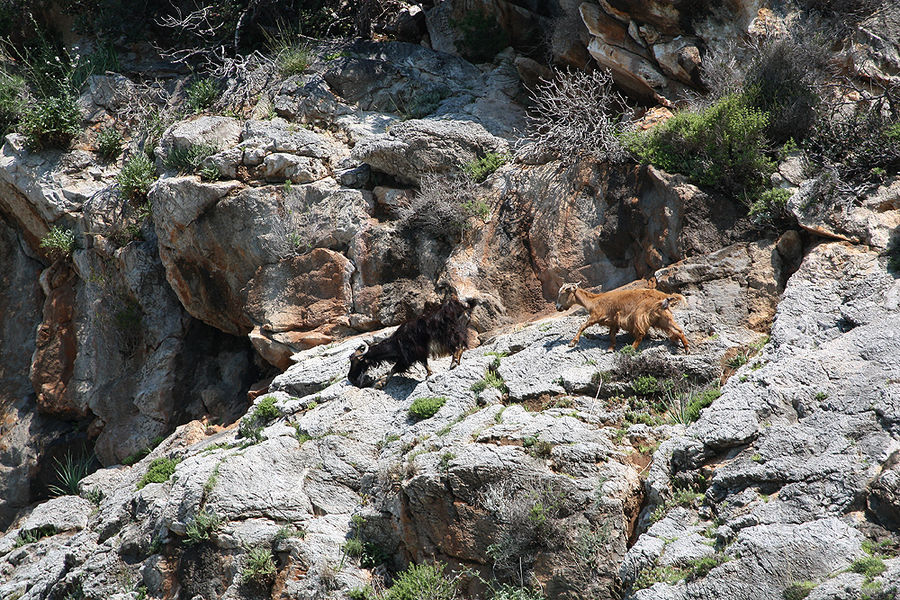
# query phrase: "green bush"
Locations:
[[481, 168], [481, 36], [159, 471], [50, 122], [202, 94], [425, 408], [490, 380], [32, 535], [136, 177], [59, 242], [722, 146], [260, 567], [201, 527], [109, 143], [870, 566], [422, 582], [253, 423], [12, 101], [700, 401], [770, 205], [189, 160]]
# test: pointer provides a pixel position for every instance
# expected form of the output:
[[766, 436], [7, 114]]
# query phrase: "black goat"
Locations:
[[440, 332]]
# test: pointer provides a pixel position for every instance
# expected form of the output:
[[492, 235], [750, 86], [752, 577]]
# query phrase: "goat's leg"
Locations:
[[676, 334], [457, 356], [428, 372], [638, 336], [613, 330], [588, 323]]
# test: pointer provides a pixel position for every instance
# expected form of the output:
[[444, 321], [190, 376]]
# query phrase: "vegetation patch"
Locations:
[[798, 590], [50, 122], [260, 566], [136, 177], [190, 159], [69, 473], [202, 94], [481, 168], [32, 535], [109, 143], [201, 527], [253, 423], [425, 408], [722, 146], [59, 242], [159, 471], [422, 581]]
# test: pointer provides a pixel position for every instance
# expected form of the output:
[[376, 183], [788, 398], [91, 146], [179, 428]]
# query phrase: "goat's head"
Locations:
[[358, 365], [566, 297]]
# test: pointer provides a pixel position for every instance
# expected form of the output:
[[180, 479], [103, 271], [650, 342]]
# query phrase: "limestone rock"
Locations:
[[220, 132], [872, 222], [416, 147], [62, 514]]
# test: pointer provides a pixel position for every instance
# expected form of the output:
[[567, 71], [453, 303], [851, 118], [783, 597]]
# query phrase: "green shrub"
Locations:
[[202, 94], [188, 160], [700, 401], [770, 205], [69, 474], [490, 380], [32, 535], [253, 423], [870, 566], [260, 567], [109, 143], [200, 528], [50, 122], [59, 242], [481, 36], [798, 590], [136, 177], [722, 146], [12, 101], [422, 582], [425, 408], [645, 385], [159, 471], [511, 592], [481, 168]]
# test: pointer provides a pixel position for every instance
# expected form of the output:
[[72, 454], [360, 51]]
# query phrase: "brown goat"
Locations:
[[634, 310]]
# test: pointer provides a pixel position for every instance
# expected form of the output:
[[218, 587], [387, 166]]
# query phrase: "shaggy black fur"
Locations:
[[440, 332]]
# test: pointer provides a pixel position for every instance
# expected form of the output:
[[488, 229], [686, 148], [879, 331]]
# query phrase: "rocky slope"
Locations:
[[579, 471]]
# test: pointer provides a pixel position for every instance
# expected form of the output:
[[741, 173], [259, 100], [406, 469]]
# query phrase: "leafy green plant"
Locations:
[[32, 535], [12, 101], [50, 122], [109, 143], [59, 242], [870, 566], [253, 423], [201, 527], [722, 146], [159, 470], [201, 94], [425, 408], [420, 582], [513, 592], [770, 205], [481, 168], [189, 159], [645, 385], [260, 566], [136, 177], [491, 380], [69, 474]]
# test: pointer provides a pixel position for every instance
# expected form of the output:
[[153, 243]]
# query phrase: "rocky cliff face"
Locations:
[[578, 471]]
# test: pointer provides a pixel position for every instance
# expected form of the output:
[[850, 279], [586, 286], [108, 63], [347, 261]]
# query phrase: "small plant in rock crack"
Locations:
[[202, 94], [260, 566], [136, 177], [59, 242], [254, 422], [159, 471], [109, 143], [69, 474], [201, 527]]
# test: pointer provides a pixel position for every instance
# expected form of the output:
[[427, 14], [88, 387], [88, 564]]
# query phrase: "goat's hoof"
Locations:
[[572, 344]]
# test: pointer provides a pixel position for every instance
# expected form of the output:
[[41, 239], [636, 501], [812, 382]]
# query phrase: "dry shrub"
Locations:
[[578, 113], [443, 206]]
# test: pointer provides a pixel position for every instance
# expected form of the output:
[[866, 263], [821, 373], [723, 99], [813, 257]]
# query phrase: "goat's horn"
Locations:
[[361, 350]]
